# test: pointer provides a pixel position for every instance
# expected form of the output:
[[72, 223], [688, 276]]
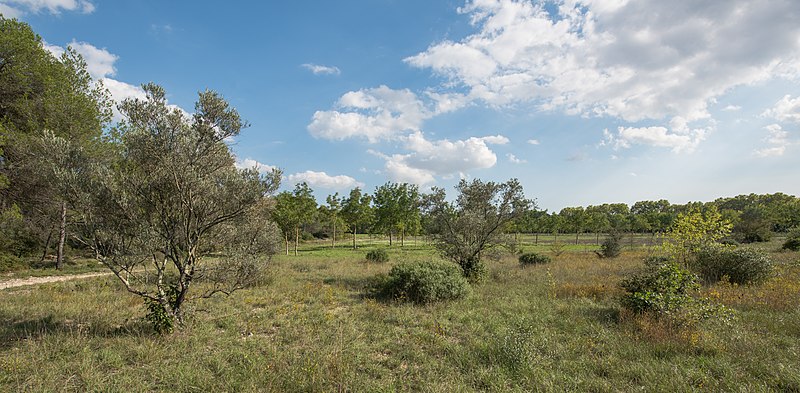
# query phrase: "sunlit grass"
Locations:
[[312, 326]]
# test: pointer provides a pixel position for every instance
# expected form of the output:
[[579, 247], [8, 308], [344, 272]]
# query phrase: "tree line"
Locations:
[[397, 210]]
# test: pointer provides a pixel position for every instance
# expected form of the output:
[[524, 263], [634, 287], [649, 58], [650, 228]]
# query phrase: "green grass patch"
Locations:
[[314, 326]]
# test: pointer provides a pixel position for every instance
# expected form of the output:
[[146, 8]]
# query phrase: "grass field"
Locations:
[[312, 326]]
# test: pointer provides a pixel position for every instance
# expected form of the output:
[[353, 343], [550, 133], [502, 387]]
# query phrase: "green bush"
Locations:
[[9, 262], [793, 240], [665, 289], [378, 256], [662, 288], [426, 281], [740, 265], [533, 258], [611, 247]]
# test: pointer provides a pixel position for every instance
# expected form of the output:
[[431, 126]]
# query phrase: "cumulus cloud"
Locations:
[[514, 160], [375, 114], [777, 138], [787, 109], [15, 8], [634, 60], [249, 163], [323, 180], [317, 69], [533, 141], [99, 61], [732, 108], [427, 159], [679, 139], [100, 65]]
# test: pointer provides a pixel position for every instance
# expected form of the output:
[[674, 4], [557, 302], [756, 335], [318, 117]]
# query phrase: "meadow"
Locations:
[[314, 324]]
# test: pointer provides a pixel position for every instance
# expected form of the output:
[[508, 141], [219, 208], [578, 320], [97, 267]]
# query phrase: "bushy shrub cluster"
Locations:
[[665, 289], [793, 240], [10, 262], [740, 265], [533, 258], [611, 246], [378, 256], [426, 282], [662, 288]]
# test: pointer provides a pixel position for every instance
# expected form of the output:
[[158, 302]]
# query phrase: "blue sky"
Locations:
[[585, 101]]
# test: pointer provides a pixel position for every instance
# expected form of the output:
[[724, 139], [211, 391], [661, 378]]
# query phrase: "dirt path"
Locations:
[[19, 282]]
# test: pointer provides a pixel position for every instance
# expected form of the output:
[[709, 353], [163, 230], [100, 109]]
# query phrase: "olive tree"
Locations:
[[171, 196], [473, 224]]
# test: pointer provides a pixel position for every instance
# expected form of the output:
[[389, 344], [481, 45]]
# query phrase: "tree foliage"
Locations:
[[357, 211], [471, 225], [694, 230], [397, 209], [42, 96], [171, 197]]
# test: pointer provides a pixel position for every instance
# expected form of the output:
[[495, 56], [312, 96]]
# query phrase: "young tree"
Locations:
[[575, 219], [397, 209], [473, 223], [357, 211], [293, 210], [333, 209], [694, 230], [171, 196], [283, 215], [304, 206]]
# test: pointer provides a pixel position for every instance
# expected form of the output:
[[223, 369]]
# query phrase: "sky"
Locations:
[[584, 101]]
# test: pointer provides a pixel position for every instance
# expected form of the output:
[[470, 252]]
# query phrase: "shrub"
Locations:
[[662, 288], [378, 256], [9, 262], [611, 247], [793, 240], [665, 289], [533, 258], [729, 242], [740, 265], [426, 281]]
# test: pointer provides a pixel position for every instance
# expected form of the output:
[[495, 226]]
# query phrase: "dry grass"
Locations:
[[312, 326]]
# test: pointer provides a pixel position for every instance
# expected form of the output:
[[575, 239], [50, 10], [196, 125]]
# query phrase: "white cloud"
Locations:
[[249, 163], [323, 180], [99, 62], [399, 171], [321, 69], [732, 108], [786, 109], [495, 139], [375, 114], [778, 138], [679, 139], [427, 159], [776, 151], [514, 160], [533, 141], [9, 12], [634, 60], [15, 8], [121, 91]]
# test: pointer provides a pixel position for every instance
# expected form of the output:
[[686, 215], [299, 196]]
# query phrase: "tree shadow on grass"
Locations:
[[13, 330], [360, 288]]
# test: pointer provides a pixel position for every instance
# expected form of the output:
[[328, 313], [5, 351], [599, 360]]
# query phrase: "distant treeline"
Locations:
[[399, 209], [754, 217]]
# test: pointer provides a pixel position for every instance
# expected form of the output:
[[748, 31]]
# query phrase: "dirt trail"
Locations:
[[19, 282]]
